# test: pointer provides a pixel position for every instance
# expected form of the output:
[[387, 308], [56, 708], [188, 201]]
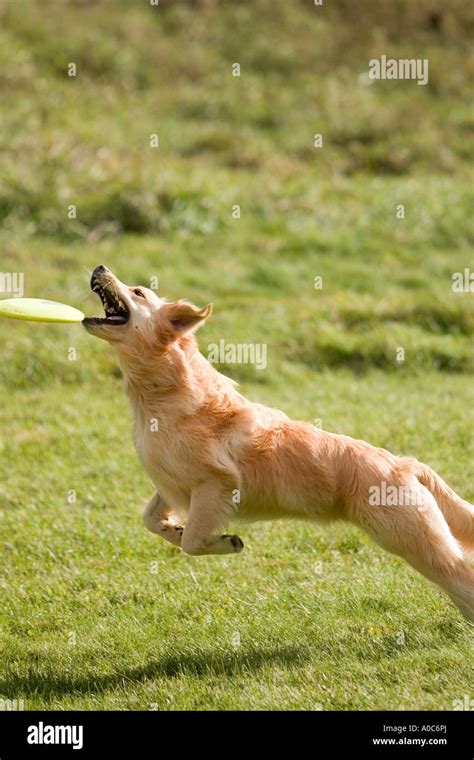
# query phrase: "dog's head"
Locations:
[[136, 319]]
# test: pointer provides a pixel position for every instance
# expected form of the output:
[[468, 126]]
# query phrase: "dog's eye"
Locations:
[[138, 293]]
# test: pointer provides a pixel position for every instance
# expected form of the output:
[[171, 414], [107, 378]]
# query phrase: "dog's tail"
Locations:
[[459, 514]]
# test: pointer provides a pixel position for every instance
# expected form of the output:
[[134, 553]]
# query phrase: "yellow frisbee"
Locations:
[[39, 310]]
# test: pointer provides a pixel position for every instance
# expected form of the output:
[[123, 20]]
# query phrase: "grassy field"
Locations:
[[96, 612]]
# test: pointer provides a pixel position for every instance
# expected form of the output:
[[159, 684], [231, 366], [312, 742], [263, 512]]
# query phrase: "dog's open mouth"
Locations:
[[116, 312]]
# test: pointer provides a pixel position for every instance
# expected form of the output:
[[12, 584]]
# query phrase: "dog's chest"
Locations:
[[164, 454], [155, 444]]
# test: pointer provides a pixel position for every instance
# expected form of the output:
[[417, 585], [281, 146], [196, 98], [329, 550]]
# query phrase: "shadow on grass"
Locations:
[[375, 648], [54, 683]]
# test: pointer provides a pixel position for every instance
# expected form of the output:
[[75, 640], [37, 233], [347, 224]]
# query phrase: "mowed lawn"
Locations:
[[96, 612]]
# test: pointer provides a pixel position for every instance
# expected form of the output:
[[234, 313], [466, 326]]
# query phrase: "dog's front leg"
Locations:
[[156, 517], [211, 508]]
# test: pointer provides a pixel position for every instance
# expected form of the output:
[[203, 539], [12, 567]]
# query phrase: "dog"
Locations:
[[213, 456]]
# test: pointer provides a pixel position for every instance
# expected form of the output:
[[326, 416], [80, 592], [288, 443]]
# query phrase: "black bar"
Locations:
[[136, 734]]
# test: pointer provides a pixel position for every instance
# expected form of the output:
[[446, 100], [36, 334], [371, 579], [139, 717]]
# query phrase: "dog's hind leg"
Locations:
[[211, 508], [459, 513], [156, 517], [420, 534]]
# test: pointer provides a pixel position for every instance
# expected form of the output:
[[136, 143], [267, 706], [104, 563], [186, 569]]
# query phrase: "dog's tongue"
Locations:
[[117, 318]]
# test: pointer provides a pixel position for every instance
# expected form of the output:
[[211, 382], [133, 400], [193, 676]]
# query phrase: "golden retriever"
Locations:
[[214, 456]]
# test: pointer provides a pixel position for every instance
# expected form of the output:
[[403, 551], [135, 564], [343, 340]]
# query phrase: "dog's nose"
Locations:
[[100, 270]]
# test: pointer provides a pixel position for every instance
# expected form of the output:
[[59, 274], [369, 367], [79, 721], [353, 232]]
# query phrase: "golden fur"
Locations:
[[215, 456]]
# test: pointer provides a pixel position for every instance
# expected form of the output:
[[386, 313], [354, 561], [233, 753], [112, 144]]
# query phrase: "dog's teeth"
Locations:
[[114, 308]]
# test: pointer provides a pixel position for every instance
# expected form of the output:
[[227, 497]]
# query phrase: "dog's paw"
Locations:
[[236, 542]]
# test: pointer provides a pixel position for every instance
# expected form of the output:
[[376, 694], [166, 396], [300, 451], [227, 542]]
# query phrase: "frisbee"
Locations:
[[39, 310]]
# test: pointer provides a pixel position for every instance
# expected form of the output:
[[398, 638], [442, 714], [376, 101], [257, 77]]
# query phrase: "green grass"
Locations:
[[96, 612]]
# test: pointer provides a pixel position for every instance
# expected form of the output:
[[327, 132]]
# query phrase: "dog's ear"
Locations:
[[185, 317]]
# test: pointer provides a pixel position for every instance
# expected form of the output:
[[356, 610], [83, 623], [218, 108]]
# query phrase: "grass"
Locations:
[[97, 613]]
